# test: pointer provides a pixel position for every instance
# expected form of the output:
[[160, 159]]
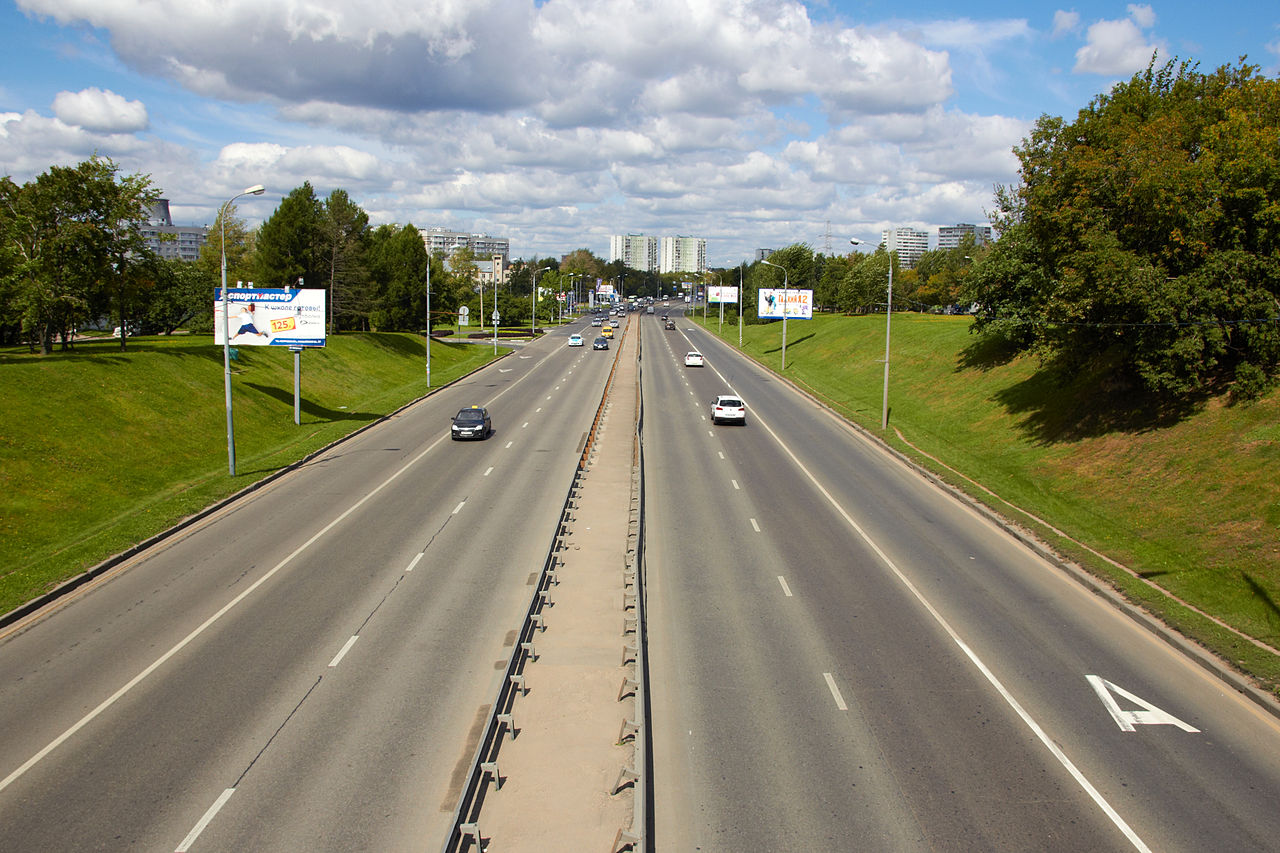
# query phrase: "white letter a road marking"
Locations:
[[1126, 720]]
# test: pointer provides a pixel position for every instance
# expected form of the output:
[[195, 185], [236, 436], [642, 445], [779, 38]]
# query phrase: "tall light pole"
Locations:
[[888, 320], [784, 309], [226, 326], [428, 319], [533, 316]]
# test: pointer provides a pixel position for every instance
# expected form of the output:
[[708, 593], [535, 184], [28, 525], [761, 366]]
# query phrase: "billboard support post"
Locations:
[[226, 325]]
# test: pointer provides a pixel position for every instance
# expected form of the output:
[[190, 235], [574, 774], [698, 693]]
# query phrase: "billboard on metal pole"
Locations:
[[722, 293], [271, 317], [799, 304]]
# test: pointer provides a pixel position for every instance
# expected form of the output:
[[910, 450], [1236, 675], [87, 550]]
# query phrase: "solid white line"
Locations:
[[785, 589], [457, 509], [835, 691], [415, 560], [1026, 718], [204, 821], [755, 525], [346, 648], [488, 471], [735, 484]]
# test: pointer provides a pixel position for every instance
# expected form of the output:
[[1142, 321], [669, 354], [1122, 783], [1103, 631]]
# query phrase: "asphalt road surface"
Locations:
[[304, 670], [844, 657]]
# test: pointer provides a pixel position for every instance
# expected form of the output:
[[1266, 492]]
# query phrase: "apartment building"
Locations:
[[170, 241], [682, 254], [949, 236], [637, 251], [909, 243]]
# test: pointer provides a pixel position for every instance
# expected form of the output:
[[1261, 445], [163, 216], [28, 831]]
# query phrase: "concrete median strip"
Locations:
[[560, 785]]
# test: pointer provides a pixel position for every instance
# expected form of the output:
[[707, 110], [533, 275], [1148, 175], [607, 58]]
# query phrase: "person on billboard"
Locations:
[[248, 322]]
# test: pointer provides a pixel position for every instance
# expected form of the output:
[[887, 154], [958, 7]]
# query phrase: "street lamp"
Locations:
[[888, 319], [533, 316], [784, 309], [226, 326]]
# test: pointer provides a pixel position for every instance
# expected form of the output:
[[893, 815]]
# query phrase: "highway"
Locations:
[[842, 655], [845, 657], [304, 669]]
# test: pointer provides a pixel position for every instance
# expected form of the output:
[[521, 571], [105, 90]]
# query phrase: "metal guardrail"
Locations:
[[464, 831]]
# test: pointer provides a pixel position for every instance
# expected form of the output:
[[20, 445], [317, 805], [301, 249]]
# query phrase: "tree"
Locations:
[[1144, 238], [398, 262], [290, 244], [73, 248], [344, 233]]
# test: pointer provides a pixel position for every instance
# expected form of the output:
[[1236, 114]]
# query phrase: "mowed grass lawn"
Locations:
[[1190, 502], [100, 449]]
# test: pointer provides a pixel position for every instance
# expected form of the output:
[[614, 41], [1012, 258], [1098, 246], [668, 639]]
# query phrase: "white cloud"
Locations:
[[1065, 23], [100, 110], [1142, 15], [1114, 47]]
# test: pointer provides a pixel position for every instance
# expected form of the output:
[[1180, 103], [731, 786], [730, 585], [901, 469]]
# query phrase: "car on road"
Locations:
[[575, 340], [614, 323], [728, 408], [597, 321], [600, 343], [693, 359], [472, 422], [671, 325]]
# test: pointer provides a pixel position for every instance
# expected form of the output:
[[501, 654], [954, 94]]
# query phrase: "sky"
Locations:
[[750, 123]]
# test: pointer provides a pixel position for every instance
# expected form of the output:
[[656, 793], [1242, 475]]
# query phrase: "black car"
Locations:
[[472, 422], [600, 343]]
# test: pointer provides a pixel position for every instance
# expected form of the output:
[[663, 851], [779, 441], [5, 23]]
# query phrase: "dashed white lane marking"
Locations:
[[721, 452], [835, 691], [457, 509], [204, 821], [415, 560], [755, 525], [509, 443], [488, 471], [523, 425], [786, 590], [539, 409], [343, 651], [735, 485]]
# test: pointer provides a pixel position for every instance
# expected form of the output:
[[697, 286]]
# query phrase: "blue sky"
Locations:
[[752, 123]]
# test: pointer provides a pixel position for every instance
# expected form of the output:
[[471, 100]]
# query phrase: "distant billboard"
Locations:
[[798, 305], [718, 293], [268, 317]]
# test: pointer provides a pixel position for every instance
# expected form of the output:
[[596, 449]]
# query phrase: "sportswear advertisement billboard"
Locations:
[[268, 317]]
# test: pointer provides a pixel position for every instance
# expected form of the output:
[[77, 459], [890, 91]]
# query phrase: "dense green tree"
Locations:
[[344, 245], [398, 262], [290, 244], [864, 288], [73, 248], [1144, 237]]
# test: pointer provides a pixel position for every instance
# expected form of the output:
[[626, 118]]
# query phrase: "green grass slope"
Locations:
[[1189, 501], [100, 449]]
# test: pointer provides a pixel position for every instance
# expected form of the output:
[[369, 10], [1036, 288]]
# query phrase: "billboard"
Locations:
[[265, 317], [799, 304], [718, 293]]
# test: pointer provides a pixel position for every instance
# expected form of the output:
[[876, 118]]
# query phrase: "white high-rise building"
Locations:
[[637, 251], [949, 236], [909, 243], [683, 254], [448, 242]]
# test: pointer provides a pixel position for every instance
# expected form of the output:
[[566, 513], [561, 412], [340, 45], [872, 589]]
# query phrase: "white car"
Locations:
[[597, 321], [575, 340], [693, 359], [727, 408], [614, 323]]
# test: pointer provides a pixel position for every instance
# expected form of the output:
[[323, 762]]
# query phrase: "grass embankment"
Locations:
[[1190, 500], [100, 449]]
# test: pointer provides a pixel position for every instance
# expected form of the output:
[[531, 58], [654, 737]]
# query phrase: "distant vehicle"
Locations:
[[597, 321], [693, 359], [671, 325], [649, 310], [472, 422], [727, 408], [575, 340], [614, 323], [607, 332], [600, 343]]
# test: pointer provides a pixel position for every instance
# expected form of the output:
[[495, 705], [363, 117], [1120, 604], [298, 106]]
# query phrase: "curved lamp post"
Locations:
[[784, 309], [888, 319], [226, 326], [533, 316]]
